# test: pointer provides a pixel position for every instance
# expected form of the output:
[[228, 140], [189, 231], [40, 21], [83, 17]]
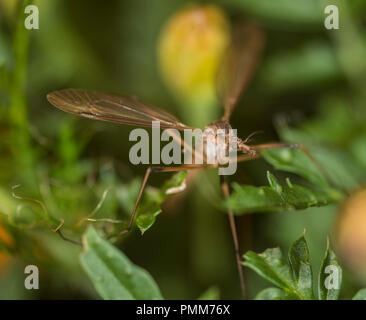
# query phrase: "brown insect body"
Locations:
[[221, 147]]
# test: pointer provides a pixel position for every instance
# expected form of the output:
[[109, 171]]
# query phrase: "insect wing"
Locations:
[[112, 108], [238, 65]]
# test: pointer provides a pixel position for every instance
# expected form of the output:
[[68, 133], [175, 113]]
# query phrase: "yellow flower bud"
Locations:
[[351, 233], [190, 48]]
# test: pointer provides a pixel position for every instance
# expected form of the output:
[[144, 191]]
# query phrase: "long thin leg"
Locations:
[[276, 145], [143, 184], [226, 193], [225, 187], [171, 169]]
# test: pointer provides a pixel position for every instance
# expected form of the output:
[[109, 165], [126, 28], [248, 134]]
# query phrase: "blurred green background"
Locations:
[[307, 73]]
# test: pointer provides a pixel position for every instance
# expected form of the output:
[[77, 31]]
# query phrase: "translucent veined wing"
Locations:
[[238, 65], [112, 108]]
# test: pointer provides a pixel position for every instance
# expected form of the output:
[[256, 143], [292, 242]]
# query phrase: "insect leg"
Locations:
[[226, 193], [143, 184]]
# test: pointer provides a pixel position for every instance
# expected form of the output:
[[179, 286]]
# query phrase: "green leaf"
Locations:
[[271, 266], [330, 275], [247, 199], [296, 161], [301, 268], [335, 129], [174, 182], [334, 124], [146, 220], [294, 279], [150, 208], [112, 273], [271, 294], [360, 295], [212, 293]]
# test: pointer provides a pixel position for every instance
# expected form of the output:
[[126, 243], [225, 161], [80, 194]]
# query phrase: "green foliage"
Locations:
[[272, 266], [329, 259], [154, 198], [212, 293], [271, 294], [296, 161], [276, 197], [64, 168], [114, 276], [360, 295], [302, 273], [295, 278], [337, 151]]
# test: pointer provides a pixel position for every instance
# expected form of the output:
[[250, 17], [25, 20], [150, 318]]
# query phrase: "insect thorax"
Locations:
[[219, 141]]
